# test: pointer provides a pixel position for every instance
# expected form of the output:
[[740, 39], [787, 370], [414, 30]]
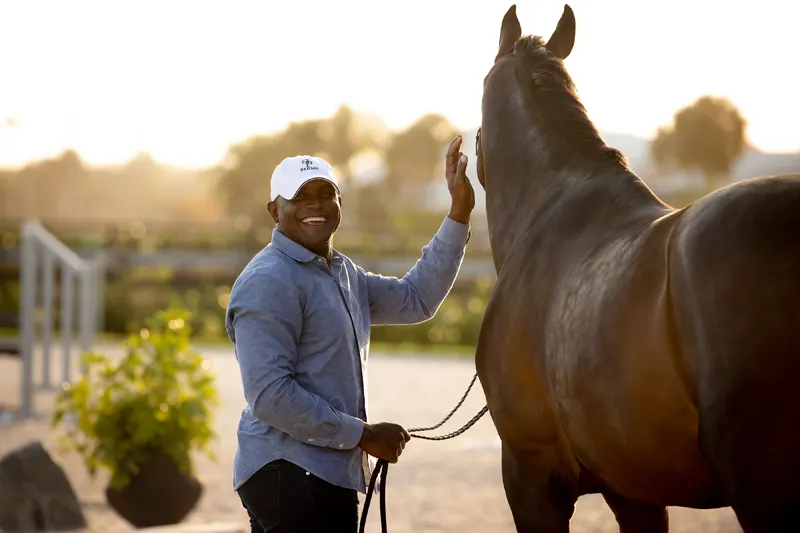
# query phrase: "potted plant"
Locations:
[[140, 416]]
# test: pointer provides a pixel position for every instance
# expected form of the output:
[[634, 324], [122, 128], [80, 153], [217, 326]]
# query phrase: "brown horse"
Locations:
[[646, 353]]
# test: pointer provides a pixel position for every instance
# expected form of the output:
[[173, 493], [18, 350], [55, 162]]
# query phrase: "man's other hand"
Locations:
[[384, 440]]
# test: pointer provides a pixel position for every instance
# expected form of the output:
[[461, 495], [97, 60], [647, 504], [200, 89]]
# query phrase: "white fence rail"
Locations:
[[42, 256]]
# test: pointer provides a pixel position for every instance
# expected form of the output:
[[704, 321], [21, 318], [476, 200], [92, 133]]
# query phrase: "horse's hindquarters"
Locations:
[[735, 284]]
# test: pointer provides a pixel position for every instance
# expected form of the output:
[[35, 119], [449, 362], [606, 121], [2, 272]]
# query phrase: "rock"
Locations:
[[35, 494]]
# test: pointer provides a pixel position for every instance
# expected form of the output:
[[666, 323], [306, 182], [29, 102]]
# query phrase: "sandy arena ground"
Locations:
[[444, 486]]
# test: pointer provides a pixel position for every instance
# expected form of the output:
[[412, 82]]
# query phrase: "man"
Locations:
[[299, 316]]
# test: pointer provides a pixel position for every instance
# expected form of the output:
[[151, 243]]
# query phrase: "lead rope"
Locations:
[[382, 467]]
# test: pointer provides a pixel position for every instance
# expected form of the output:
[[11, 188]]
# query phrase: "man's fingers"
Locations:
[[461, 171], [455, 146], [452, 154]]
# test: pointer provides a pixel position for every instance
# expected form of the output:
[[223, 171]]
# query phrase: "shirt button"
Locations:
[[341, 445], [310, 440]]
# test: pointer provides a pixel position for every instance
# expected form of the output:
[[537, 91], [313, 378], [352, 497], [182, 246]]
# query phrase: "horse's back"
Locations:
[[735, 287]]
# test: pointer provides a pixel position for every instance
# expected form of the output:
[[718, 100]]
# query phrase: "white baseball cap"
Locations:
[[294, 172]]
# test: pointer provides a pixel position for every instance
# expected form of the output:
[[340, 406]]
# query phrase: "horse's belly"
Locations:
[[635, 428]]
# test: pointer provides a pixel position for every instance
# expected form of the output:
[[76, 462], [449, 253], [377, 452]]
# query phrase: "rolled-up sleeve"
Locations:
[[264, 321], [417, 296]]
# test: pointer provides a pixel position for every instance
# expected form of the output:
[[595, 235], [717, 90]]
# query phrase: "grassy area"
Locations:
[[439, 349], [199, 342]]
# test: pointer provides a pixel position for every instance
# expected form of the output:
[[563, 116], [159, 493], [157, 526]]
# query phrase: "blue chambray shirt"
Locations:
[[301, 335]]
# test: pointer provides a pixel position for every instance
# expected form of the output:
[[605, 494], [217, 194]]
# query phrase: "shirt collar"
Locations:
[[298, 252]]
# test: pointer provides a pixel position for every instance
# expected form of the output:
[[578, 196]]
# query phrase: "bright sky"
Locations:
[[183, 80]]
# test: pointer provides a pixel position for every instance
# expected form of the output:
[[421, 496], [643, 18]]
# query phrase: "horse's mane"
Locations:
[[558, 107]]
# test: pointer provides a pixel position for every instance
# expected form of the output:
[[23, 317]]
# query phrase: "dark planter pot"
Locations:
[[159, 495]]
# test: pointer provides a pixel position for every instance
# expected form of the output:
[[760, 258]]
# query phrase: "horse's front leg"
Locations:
[[541, 496], [539, 474], [636, 517]]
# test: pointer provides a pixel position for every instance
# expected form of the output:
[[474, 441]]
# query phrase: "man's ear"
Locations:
[[272, 207]]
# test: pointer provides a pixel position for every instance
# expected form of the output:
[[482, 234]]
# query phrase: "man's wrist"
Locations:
[[366, 435], [459, 216]]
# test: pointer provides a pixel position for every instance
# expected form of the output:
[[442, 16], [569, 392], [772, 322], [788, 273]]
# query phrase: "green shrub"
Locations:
[[157, 398]]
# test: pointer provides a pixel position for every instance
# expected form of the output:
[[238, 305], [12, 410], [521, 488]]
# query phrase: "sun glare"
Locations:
[[114, 81]]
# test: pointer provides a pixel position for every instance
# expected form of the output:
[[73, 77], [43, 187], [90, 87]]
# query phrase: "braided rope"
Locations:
[[382, 468], [457, 432], [414, 431], [440, 424]]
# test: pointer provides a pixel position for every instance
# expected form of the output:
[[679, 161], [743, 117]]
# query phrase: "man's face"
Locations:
[[311, 217]]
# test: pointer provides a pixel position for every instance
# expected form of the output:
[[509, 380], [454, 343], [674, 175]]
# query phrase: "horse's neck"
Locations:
[[511, 204], [517, 205]]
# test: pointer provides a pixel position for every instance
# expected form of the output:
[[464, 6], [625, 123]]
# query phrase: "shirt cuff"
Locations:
[[350, 434], [453, 233]]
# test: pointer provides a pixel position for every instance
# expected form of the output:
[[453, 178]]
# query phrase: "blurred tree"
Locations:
[[707, 136], [341, 141], [245, 173], [346, 135], [244, 179], [663, 149], [416, 154], [5, 193], [50, 188], [373, 209], [301, 138]]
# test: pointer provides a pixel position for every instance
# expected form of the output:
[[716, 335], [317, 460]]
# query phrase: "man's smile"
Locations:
[[314, 221]]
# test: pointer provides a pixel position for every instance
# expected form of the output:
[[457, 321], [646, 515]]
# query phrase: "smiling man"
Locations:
[[299, 316]]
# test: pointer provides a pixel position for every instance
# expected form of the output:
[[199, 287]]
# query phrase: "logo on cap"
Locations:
[[307, 162]]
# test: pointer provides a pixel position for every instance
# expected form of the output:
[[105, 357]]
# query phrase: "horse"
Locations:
[[647, 353]]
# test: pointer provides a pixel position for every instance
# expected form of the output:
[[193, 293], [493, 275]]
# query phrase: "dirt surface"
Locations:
[[443, 486]]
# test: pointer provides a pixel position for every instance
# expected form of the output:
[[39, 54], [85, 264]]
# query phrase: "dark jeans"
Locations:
[[282, 498]]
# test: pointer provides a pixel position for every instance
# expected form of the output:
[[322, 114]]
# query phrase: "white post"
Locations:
[[87, 317], [26, 320], [67, 306], [47, 326], [36, 239], [98, 289]]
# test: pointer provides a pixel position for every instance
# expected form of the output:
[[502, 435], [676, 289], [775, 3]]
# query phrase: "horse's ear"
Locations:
[[510, 32], [563, 38]]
